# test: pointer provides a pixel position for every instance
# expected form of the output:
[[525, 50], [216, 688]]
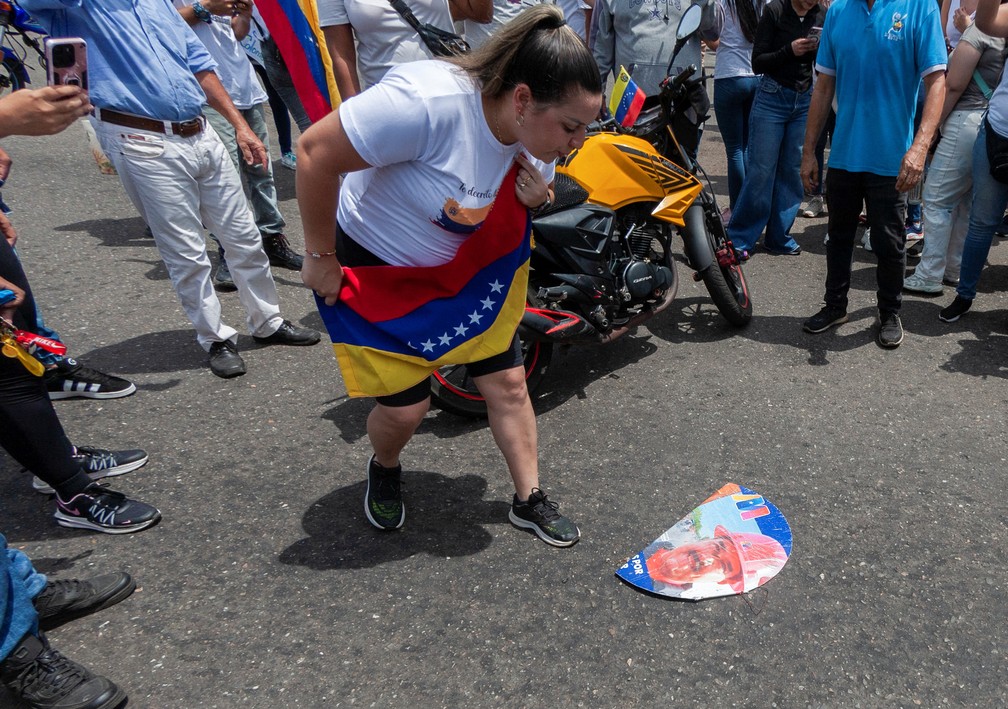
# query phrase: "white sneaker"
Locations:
[[289, 160], [866, 239], [813, 208], [918, 284]]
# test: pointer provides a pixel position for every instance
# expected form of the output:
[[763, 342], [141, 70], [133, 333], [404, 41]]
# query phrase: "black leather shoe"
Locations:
[[288, 334], [225, 361], [62, 601], [280, 254], [42, 678]]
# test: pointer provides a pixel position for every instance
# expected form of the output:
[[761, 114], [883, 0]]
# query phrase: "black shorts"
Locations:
[[350, 253]]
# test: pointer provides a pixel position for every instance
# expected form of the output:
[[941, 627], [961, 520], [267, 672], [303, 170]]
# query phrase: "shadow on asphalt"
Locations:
[[156, 352], [444, 517], [113, 232]]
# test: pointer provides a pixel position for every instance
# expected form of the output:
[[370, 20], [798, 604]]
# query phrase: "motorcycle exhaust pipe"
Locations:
[[555, 325]]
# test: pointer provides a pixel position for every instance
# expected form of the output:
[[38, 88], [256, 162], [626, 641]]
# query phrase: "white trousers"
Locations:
[[179, 185]]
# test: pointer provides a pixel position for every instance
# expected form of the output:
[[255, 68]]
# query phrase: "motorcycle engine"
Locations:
[[643, 281]]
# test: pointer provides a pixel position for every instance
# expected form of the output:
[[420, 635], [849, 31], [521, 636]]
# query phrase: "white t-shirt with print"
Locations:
[[233, 66], [437, 165], [384, 39]]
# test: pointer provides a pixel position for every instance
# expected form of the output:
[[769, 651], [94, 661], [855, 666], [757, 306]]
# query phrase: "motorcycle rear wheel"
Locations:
[[453, 390], [724, 278]]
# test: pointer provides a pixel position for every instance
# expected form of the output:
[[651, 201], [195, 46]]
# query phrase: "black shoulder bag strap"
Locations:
[[439, 42]]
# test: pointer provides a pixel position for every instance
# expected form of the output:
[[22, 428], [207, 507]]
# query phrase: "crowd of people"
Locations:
[[389, 204]]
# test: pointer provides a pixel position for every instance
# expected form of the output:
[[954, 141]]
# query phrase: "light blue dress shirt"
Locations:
[[142, 56]]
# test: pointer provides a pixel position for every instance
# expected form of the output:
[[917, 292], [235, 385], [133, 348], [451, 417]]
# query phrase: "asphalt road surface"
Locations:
[[264, 585]]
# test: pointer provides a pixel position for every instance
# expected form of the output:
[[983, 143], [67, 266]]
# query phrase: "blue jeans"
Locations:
[[772, 191], [733, 100], [990, 198], [19, 584]]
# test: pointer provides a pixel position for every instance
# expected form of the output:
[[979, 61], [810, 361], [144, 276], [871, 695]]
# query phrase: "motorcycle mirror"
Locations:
[[689, 22]]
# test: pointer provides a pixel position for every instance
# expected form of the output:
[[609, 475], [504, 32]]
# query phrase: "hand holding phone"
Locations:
[[815, 33], [66, 62]]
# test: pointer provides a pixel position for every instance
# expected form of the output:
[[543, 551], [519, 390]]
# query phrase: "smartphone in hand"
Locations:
[[66, 61], [815, 33]]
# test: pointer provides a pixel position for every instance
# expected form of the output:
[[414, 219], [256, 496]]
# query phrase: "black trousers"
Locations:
[[846, 192], [30, 431]]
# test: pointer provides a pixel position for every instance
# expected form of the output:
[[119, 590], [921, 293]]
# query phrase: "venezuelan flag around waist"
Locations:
[[294, 26], [626, 100], [394, 325]]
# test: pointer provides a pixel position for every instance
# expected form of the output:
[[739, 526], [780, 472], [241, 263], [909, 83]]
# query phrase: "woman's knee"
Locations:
[[504, 388]]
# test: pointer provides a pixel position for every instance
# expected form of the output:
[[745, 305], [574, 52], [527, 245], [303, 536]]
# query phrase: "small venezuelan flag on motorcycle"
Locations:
[[626, 100]]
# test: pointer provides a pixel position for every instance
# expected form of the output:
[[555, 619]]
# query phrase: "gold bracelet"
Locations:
[[316, 254]]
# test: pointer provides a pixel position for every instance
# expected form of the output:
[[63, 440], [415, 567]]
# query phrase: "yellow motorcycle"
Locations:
[[603, 261]]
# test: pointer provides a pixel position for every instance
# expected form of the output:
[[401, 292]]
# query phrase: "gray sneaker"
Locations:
[[890, 333], [918, 284]]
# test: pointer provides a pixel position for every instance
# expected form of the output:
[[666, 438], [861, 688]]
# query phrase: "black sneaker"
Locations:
[[280, 254], [62, 601], [225, 361], [69, 379], [290, 334], [542, 516], [890, 332], [956, 309], [383, 503], [825, 319], [41, 677], [222, 280], [105, 510], [98, 463]]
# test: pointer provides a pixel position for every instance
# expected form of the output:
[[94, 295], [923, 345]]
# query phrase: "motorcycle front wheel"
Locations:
[[724, 278], [10, 77], [453, 390]]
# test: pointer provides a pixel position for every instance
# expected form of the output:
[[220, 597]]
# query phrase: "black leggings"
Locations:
[[350, 253], [30, 431]]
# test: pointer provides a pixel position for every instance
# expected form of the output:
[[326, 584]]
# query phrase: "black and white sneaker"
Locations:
[[956, 309], [98, 463], [105, 510], [383, 503], [542, 516], [890, 333], [71, 379], [826, 318], [42, 678]]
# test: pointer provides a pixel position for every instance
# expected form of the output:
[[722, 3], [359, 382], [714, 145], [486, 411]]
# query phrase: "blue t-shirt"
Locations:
[[142, 56], [878, 58]]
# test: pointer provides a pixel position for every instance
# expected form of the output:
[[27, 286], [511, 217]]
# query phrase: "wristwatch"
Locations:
[[201, 12]]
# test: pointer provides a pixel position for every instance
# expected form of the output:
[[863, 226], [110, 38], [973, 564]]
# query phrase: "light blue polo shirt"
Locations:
[[142, 56], [878, 58]]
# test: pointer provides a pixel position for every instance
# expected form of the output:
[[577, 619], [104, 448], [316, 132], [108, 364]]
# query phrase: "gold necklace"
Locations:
[[498, 134]]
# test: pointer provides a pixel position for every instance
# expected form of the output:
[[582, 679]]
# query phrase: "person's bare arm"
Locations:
[[992, 18], [962, 64], [343, 52], [476, 10], [43, 111], [223, 8], [251, 147], [819, 108], [324, 152], [912, 167]]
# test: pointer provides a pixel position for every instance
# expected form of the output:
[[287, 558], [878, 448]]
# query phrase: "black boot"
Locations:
[[42, 678], [280, 254]]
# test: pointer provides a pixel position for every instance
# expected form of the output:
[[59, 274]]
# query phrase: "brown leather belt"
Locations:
[[185, 129]]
